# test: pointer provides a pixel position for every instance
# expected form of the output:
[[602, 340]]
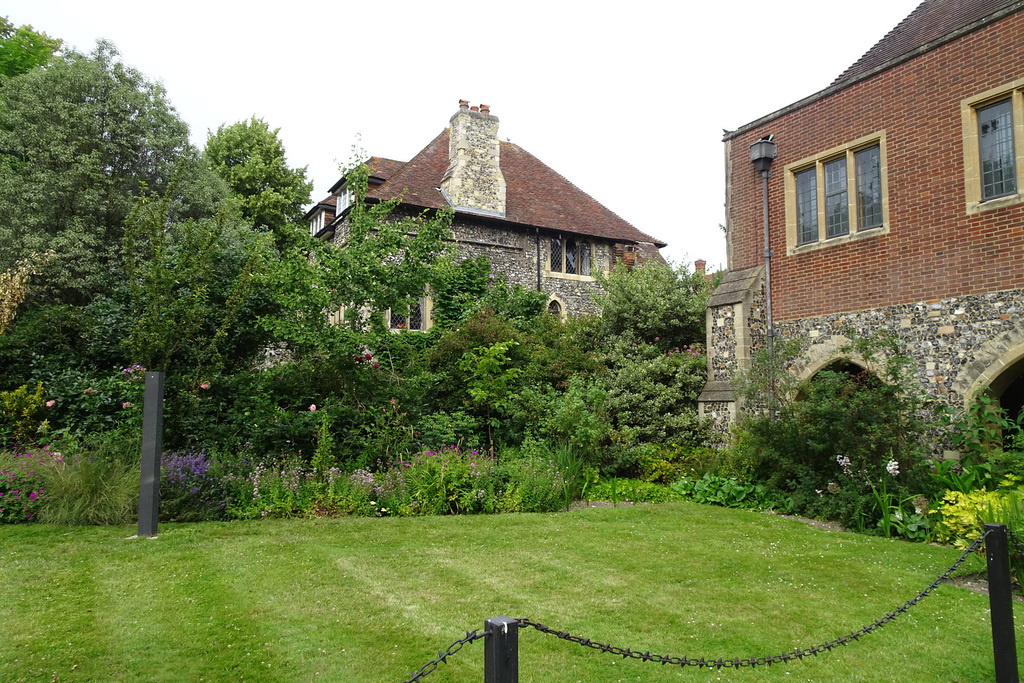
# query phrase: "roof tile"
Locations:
[[930, 21], [535, 195]]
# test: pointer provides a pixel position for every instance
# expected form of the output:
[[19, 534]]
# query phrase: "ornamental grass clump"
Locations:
[[97, 483]]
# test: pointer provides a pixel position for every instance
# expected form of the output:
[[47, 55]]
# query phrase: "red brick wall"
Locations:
[[933, 249]]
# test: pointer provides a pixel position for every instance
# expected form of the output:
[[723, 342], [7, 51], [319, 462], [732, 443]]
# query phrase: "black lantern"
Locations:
[[763, 153]]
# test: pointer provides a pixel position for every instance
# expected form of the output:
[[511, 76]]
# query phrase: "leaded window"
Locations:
[[570, 256], [847, 185], [807, 206], [557, 255], [868, 167], [411, 318], [995, 145], [837, 212]]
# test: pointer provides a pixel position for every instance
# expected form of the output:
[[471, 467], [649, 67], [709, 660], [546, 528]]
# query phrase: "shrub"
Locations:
[[961, 517], [731, 492], [437, 429], [20, 411], [832, 436], [619, 489], [22, 488], [193, 487]]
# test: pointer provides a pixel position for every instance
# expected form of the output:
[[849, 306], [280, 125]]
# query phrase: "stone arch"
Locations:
[[825, 353], [556, 306], [998, 365]]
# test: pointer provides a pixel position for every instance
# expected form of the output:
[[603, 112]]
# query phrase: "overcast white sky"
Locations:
[[626, 100]]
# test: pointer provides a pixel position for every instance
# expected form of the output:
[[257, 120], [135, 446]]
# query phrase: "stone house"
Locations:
[[535, 227], [895, 202]]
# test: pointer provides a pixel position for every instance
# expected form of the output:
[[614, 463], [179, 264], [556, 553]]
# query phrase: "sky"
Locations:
[[628, 102]]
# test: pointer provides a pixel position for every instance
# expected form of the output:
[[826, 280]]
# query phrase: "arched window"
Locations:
[[554, 307]]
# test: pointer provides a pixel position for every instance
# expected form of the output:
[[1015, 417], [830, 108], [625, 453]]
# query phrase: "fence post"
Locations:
[[152, 437], [1000, 600], [501, 650]]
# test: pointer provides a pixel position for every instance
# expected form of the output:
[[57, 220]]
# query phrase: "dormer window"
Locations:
[[316, 224], [343, 199]]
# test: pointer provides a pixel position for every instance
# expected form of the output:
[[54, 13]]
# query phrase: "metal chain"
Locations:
[[430, 666], [1016, 542], [797, 654]]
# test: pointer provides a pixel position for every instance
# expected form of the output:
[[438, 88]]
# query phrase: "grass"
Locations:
[[359, 599]]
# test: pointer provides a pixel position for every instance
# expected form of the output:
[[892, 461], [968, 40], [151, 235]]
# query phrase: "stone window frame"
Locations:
[[817, 162], [594, 262], [426, 305], [555, 299], [1013, 91]]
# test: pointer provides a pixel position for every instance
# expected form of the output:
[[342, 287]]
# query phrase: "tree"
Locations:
[[80, 141], [250, 158], [22, 49], [655, 300]]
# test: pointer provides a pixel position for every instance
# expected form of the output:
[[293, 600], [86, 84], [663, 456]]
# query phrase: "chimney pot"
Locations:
[[485, 108], [474, 108], [463, 104], [700, 264]]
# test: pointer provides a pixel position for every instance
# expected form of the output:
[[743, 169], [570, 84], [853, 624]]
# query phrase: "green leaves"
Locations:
[[22, 49], [80, 141], [251, 159]]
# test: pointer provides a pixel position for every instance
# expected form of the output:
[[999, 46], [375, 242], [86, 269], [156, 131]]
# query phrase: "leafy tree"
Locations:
[[250, 158], [182, 310], [80, 141], [655, 300], [22, 49]]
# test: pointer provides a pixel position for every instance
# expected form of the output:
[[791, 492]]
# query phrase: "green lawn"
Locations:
[[358, 599]]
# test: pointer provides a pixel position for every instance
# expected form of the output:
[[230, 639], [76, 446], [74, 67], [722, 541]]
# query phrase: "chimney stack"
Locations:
[[473, 181]]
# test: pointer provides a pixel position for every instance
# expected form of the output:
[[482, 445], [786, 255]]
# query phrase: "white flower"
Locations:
[[893, 468]]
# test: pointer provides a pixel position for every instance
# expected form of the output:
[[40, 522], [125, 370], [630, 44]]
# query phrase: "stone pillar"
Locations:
[[735, 329]]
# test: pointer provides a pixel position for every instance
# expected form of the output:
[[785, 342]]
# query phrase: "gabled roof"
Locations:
[[930, 22], [327, 204], [535, 195]]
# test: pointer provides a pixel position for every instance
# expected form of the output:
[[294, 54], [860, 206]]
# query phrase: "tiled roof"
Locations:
[[384, 168], [535, 195], [931, 21], [328, 204]]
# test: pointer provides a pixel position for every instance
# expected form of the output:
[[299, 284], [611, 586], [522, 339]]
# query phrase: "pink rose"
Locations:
[[50, 403], [204, 385], [312, 407]]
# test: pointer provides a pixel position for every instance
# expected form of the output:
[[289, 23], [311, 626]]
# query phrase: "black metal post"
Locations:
[[501, 650], [768, 296], [1000, 600], [152, 437]]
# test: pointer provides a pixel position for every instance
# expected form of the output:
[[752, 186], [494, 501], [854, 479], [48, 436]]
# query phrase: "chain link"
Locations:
[[430, 666], [737, 662], [1015, 539]]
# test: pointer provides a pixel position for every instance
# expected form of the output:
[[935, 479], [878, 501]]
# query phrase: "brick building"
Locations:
[[534, 226], [896, 202]]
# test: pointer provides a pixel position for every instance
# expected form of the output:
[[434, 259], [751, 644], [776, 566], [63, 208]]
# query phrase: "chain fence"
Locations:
[[720, 662], [430, 666], [1017, 543]]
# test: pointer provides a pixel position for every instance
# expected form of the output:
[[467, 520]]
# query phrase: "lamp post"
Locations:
[[762, 154]]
